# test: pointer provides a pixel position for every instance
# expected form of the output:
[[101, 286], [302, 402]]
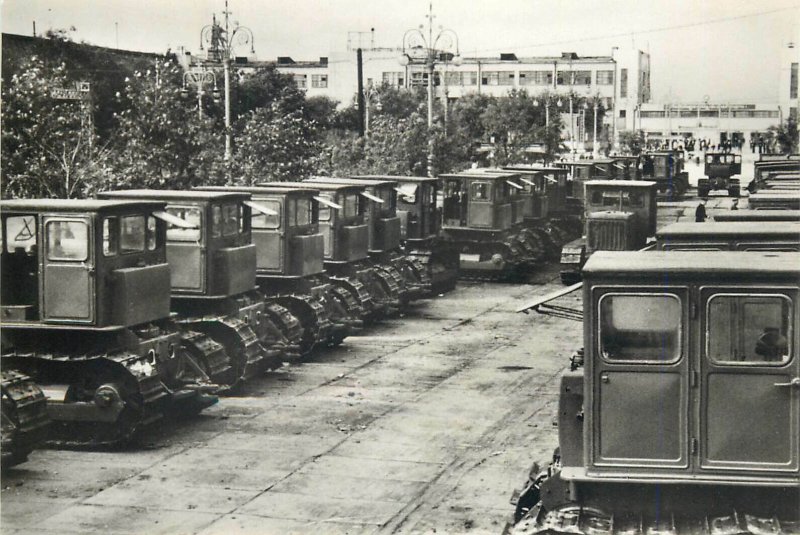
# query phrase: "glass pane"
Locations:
[[230, 219], [151, 233], [303, 212], [480, 191], [216, 221], [21, 234], [110, 236], [264, 221], [191, 215], [351, 205], [749, 329], [132, 233], [67, 240], [324, 209], [640, 327]]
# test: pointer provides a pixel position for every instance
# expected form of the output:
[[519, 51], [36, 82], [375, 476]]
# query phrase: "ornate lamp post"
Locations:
[[221, 42], [201, 78], [446, 41], [370, 94]]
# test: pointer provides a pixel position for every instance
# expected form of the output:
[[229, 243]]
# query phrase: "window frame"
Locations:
[[35, 236], [87, 251], [680, 335], [747, 364], [489, 196], [122, 251], [113, 235], [274, 204]]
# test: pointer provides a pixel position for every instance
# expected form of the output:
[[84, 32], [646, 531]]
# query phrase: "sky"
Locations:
[[725, 50]]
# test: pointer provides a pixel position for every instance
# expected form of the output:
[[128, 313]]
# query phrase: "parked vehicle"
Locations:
[[720, 168]]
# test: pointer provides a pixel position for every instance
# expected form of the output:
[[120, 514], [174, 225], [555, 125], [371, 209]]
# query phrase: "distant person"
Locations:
[[735, 204], [700, 212]]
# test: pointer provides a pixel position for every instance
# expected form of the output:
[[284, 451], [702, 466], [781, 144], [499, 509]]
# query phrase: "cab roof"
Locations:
[[174, 195], [352, 181], [731, 229], [621, 183], [260, 189], [320, 186], [628, 264], [499, 175], [396, 178], [759, 215], [537, 168], [78, 205]]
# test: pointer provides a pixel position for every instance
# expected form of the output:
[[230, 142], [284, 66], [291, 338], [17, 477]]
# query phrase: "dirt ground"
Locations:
[[424, 424]]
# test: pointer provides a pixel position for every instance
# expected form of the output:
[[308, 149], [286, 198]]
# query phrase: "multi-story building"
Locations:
[[788, 99]]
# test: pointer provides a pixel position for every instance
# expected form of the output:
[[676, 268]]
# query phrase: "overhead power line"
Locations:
[[643, 32]]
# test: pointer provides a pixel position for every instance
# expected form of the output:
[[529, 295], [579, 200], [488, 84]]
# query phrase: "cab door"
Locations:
[[749, 385], [640, 379], [68, 272]]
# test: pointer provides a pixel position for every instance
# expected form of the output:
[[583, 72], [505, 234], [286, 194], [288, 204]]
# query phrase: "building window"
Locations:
[[462, 78], [319, 80], [651, 114], [582, 78], [793, 81], [605, 77], [623, 83], [497, 78], [300, 80], [535, 77], [420, 79], [394, 79], [623, 114]]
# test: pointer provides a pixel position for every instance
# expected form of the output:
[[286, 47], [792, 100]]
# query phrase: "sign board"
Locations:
[[80, 92]]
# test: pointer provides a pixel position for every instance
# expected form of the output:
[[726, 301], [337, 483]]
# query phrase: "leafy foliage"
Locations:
[[785, 136]]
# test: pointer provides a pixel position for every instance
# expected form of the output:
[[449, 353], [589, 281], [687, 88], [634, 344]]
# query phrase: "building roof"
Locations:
[[628, 264], [77, 205], [731, 229]]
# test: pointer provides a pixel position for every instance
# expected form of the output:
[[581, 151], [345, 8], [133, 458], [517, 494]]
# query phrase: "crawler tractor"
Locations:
[[665, 168], [289, 265], [620, 215], [380, 214], [478, 223], [213, 281], [420, 227], [85, 314], [682, 415], [345, 248], [720, 168], [24, 418]]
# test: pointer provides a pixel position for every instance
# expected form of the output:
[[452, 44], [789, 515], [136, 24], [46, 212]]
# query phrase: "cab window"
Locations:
[[21, 234], [110, 236], [190, 214], [132, 234], [324, 209], [67, 240], [480, 191], [350, 205], [230, 219], [264, 221], [152, 235], [749, 329], [302, 212], [640, 327]]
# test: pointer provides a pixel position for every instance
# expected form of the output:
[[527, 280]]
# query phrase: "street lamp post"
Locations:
[[445, 40], [201, 78], [369, 94], [222, 42]]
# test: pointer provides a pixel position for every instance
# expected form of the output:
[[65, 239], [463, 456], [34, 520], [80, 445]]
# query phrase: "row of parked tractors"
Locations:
[[138, 304], [679, 414]]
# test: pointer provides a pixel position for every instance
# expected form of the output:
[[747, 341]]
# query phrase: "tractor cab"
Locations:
[[619, 215], [341, 219], [607, 169], [420, 217], [285, 231], [91, 264], [380, 210], [690, 377], [208, 236], [514, 191], [627, 167], [722, 164], [555, 185], [580, 172], [665, 168], [774, 200], [476, 201], [730, 236]]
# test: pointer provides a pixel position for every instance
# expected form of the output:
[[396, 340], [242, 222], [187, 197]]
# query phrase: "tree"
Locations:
[[49, 146], [274, 146], [160, 137], [785, 136], [631, 141]]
